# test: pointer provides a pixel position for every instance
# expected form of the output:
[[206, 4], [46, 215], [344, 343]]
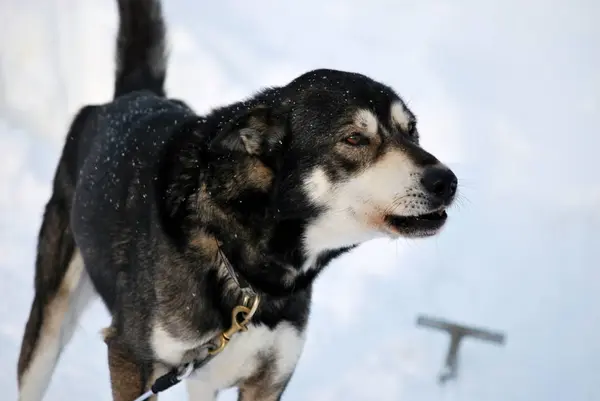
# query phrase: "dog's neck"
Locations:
[[283, 268], [272, 263]]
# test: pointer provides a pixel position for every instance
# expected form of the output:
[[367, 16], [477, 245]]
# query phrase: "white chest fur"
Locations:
[[241, 358]]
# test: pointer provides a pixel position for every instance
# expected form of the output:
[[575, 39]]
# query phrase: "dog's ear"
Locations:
[[258, 132]]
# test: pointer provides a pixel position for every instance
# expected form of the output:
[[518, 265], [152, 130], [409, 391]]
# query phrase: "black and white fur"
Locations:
[[146, 190]]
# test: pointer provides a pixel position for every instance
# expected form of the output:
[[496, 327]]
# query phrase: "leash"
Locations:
[[240, 318]]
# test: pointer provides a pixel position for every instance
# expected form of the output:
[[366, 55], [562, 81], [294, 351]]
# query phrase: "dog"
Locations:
[[169, 217]]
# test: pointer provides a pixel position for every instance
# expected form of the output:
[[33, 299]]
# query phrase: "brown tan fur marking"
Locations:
[[129, 378], [205, 243], [261, 386], [259, 175]]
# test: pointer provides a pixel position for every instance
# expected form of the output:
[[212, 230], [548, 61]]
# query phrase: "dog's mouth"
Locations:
[[420, 225]]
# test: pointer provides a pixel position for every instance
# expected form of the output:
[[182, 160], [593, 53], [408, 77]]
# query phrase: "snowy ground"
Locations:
[[507, 92]]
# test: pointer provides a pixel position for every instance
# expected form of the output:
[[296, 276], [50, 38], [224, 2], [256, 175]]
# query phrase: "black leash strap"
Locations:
[[165, 382], [176, 375]]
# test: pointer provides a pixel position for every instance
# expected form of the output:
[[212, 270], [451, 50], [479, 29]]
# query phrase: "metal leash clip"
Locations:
[[237, 325]]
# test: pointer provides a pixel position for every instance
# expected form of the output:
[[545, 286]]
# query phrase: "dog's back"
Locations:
[[62, 286]]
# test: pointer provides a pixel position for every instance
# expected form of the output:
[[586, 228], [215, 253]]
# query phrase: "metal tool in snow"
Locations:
[[457, 333]]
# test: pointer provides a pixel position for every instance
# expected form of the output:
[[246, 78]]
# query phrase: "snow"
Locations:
[[506, 92]]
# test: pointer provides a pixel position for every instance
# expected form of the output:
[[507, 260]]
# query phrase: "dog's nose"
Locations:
[[440, 182]]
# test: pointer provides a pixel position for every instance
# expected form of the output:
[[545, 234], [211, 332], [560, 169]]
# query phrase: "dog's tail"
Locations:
[[62, 286], [141, 47]]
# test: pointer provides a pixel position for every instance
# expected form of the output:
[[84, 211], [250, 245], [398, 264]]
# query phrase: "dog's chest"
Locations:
[[246, 355]]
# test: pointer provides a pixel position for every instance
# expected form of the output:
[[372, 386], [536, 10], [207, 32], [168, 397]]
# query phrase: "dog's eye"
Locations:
[[356, 139]]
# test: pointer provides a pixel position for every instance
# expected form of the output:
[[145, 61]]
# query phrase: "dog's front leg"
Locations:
[[129, 377], [262, 388]]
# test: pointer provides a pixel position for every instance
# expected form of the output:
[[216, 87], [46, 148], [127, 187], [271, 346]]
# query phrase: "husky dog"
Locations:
[[162, 212]]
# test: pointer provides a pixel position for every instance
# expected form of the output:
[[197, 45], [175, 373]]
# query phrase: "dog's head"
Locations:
[[350, 161]]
